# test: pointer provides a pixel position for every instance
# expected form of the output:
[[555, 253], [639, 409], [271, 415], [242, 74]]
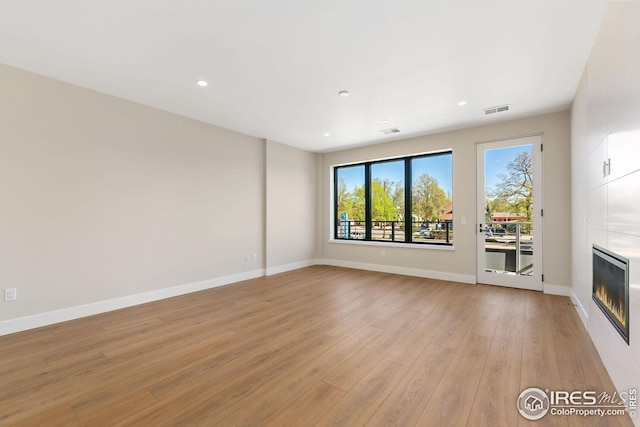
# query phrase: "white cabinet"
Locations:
[[596, 159], [623, 154], [623, 209], [597, 207]]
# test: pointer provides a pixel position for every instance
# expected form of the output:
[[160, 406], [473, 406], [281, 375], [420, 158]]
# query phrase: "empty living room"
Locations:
[[337, 213]]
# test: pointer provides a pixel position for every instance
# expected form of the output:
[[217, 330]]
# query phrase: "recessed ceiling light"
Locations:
[[384, 121], [344, 93], [326, 134], [461, 103], [201, 83]]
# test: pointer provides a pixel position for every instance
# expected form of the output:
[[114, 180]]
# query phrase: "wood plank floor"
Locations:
[[320, 346]]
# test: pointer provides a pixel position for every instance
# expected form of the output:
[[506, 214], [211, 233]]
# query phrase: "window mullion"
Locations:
[[408, 217], [367, 201], [336, 216]]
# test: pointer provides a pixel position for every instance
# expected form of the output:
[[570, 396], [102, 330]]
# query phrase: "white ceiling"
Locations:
[[275, 67]]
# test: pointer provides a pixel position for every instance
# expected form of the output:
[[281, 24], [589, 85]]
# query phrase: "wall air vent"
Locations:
[[498, 109], [390, 131]]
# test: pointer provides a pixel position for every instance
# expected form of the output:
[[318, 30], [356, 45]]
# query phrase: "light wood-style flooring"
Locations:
[[317, 346]]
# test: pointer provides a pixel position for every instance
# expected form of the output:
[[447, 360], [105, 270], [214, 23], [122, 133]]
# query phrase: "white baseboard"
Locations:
[[288, 267], [567, 291], [430, 274], [582, 312], [43, 319], [564, 291]]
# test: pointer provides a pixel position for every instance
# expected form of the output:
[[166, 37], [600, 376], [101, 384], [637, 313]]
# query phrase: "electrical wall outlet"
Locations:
[[255, 257], [383, 254], [246, 258], [10, 294]]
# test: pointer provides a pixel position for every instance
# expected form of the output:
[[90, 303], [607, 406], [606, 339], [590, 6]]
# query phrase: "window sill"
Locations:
[[393, 245]]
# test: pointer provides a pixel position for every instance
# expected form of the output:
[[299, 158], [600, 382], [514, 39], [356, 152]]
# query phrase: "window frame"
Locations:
[[408, 201]]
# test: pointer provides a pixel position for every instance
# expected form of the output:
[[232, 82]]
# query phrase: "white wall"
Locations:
[[291, 212], [460, 263], [102, 199], [606, 210]]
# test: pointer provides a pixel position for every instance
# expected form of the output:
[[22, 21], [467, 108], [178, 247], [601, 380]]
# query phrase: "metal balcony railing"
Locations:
[[395, 231], [509, 247]]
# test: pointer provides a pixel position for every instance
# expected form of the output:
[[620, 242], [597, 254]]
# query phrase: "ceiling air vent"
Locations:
[[498, 109], [390, 131]]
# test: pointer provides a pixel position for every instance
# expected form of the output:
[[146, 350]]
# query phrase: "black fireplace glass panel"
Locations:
[[611, 288]]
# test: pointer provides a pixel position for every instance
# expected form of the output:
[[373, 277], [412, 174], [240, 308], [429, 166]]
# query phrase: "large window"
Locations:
[[404, 200]]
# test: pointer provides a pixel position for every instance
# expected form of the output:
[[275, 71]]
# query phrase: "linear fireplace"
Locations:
[[611, 288]]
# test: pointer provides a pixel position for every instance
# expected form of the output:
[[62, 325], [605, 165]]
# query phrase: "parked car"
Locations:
[[357, 235], [424, 230]]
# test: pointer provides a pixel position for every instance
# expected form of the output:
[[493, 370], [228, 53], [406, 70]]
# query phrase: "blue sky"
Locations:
[[436, 166], [353, 176], [496, 160]]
